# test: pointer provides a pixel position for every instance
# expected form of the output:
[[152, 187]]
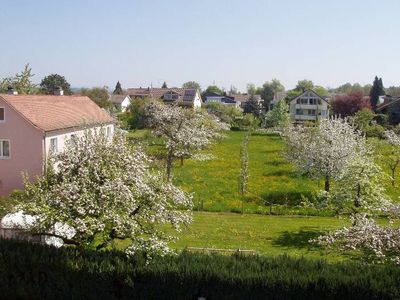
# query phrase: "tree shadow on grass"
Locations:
[[277, 163], [288, 173], [299, 240]]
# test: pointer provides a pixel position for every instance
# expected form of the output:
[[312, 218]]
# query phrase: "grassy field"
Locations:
[[267, 235], [272, 179]]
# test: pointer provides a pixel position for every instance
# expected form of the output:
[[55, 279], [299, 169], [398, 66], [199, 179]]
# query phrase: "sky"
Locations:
[[226, 42]]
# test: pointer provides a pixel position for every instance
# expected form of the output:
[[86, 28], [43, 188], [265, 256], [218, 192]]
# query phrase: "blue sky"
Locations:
[[229, 42]]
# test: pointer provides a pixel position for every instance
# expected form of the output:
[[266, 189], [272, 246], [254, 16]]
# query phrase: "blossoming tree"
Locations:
[[393, 160], [104, 190], [185, 130], [324, 150]]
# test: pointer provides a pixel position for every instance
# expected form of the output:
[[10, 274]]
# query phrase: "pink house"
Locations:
[[33, 125]]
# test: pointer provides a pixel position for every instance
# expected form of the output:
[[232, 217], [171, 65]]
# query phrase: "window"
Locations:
[[2, 114], [4, 148], [299, 111], [74, 140], [319, 101], [53, 145]]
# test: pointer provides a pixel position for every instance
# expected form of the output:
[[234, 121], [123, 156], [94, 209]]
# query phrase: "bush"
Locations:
[[30, 271]]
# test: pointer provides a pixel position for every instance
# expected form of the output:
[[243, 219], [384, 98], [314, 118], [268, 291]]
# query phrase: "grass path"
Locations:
[[268, 235]]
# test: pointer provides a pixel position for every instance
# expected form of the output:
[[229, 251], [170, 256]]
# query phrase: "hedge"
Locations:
[[29, 271]]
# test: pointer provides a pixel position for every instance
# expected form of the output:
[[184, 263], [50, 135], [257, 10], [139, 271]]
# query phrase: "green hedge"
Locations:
[[35, 272]]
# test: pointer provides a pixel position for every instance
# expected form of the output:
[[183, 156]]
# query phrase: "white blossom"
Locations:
[[105, 191]]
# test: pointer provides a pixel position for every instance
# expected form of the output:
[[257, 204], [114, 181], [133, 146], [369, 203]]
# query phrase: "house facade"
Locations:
[[120, 102], [210, 97], [308, 106], [180, 96], [33, 126], [390, 106]]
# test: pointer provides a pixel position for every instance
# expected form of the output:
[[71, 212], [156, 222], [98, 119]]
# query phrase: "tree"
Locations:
[[214, 89], [393, 159], [278, 116], [244, 169], [376, 91], [192, 85], [361, 185], [251, 89], [21, 82], [348, 105], [51, 82], [118, 89], [184, 130], [268, 90], [303, 85], [99, 95], [325, 150], [320, 90], [104, 189], [253, 106], [164, 86]]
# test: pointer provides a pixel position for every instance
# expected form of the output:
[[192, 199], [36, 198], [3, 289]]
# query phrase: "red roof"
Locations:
[[48, 112]]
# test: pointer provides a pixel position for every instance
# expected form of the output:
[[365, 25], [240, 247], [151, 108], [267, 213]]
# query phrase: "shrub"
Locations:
[[30, 271]]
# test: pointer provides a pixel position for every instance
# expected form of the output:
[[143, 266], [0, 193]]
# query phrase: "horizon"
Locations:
[[227, 43]]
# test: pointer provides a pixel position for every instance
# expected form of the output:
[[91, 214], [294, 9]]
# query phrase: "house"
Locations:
[[391, 107], [32, 126], [277, 96], [180, 96], [308, 106], [120, 102], [211, 97], [243, 99]]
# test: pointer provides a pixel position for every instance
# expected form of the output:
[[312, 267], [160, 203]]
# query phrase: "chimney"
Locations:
[[58, 91], [11, 91]]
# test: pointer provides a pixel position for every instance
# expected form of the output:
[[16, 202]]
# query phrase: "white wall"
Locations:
[[64, 135]]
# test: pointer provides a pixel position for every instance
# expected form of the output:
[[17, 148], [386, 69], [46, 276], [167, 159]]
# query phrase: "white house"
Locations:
[[120, 102], [309, 106]]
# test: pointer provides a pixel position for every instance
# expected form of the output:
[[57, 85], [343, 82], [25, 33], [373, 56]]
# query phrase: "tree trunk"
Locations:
[[169, 165], [181, 161], [327, 184]]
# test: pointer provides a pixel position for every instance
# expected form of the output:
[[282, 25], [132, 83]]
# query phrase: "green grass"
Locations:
[[214, 183], [267, 235]]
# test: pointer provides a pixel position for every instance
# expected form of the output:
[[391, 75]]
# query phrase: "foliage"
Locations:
[[349, 104], [361, 186], [184, 130], [118, 89], [253, 106], [192, 85], [99, 95], [21, 82], [104, 189], [278, 117], [268, 90], [303, 85], [225, 113], [325, 150], [244, 169], [36, 272], [214, 89], [135, 114], [392, 158], [53, 81], [376, 91], [377, 243], [364, 121], [164, 86]]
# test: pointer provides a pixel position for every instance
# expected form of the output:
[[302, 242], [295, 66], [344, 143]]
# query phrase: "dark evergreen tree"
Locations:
[[54, 81], [164, 86], [253, 106], [376, 91], [118, 89]]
